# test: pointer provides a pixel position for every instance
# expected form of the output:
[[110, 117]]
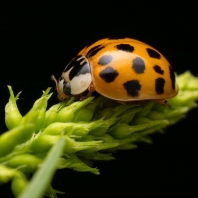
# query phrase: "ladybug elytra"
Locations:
[[124, 70]]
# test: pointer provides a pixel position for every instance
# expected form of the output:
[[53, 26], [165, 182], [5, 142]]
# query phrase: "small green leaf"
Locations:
[[12, 114], [43, 176]]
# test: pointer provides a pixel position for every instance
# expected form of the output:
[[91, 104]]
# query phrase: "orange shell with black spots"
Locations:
[[120, 69]]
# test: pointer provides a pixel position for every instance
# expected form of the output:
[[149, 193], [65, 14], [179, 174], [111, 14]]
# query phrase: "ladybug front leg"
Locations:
[[163, 102], [91, 89]]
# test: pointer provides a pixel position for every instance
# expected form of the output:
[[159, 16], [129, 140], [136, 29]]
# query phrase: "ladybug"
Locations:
[[124, 70]]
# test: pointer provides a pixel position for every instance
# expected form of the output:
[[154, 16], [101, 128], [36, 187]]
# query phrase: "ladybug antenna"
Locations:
[[54, 79]]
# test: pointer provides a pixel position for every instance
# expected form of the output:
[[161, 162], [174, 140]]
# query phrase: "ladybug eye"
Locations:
[[66, 88]]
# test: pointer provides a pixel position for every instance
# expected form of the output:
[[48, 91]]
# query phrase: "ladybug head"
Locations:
[[75, 79], [59, 87]]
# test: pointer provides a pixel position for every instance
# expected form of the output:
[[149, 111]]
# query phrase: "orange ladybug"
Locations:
[[124, 70]]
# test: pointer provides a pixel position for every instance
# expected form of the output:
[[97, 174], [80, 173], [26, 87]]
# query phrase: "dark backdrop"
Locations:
[[38, 39]]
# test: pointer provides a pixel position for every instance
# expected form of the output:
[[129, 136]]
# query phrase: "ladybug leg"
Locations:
[[89, 94], [91, 89], [80, 97], [54, 79], [163, 102]]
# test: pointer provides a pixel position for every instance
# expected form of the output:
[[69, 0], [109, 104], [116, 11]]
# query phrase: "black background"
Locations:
[[38, 39]]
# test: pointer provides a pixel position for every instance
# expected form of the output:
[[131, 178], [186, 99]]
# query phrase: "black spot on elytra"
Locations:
[[132, 87], [138, 65], [94, 50], [158, 69], [159, 85], [172, 77], [125, 47], [108, 74], [152, 53], [105, 60]]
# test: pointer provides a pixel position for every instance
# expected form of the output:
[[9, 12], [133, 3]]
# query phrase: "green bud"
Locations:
[[147, 139], [185, 97], [141, 120], [146, 108], [188, 90], [51, 113], [82, 129], [108, 142], [147, 122], [187, 81], [127, 146], [177, 112], [154, 126], [50, 192], [107, 138], [15, 136], [19, 183], [161, 108], [120, 109], [105, 113], [128, 115], [97, 156], [12, 114], [76, 164], [173, 114], [6, 173], [72, 129], [109, 103], [43, 143], [59, 128], [67, 114], [39, 109], [100, 147], [123, 130], [115, 111], [86, 113], [25, 162], [71, 146], [101, 156], [156, 115], [101, 130]]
